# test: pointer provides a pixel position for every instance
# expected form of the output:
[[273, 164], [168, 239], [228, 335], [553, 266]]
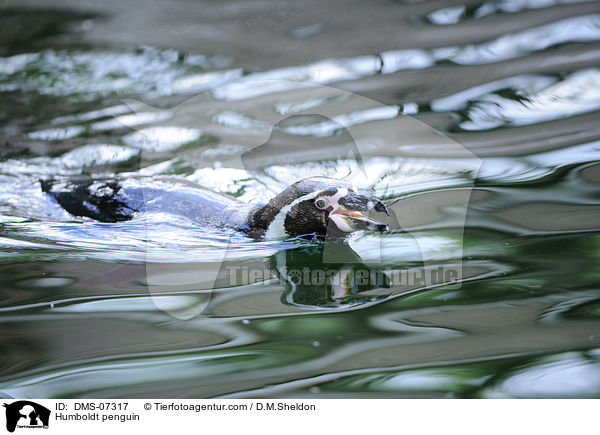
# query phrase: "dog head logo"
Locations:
[[26, 414]]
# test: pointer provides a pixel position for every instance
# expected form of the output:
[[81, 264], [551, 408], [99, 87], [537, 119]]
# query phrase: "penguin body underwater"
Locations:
[[312, 206]]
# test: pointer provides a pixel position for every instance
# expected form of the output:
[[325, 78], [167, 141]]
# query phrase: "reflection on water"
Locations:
[[90, 309]]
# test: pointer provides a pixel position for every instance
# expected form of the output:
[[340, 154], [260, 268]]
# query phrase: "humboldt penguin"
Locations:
[[310, 207]]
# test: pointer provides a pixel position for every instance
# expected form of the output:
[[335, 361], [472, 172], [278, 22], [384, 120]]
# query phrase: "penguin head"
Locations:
[[321, 206]]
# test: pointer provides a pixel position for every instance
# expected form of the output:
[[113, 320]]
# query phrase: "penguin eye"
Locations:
[[321, 204]]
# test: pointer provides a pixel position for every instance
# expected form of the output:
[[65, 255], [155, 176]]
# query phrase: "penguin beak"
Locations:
[[348, 218]]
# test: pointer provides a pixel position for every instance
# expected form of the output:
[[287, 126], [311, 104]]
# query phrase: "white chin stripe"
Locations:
[[276, 229]]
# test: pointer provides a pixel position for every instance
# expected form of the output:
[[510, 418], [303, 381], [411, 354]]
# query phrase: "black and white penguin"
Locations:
[[313, 206]]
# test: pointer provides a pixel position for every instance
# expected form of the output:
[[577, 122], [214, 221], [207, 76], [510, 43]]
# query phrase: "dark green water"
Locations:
[[483, 140]]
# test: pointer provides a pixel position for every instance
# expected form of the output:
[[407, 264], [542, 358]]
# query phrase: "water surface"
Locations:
[[497, 101]]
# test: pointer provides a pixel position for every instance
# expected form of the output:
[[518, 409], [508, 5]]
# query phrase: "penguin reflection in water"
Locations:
[[328, 275], [317, 208]]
